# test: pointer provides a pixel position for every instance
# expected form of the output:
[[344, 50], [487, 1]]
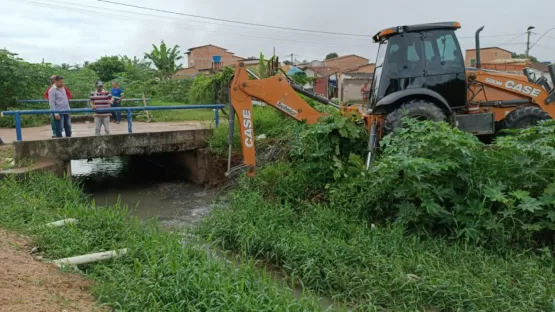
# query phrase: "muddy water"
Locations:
[[151, 192], [145, 188]]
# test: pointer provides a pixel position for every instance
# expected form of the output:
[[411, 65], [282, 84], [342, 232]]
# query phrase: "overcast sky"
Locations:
[[74, 31]]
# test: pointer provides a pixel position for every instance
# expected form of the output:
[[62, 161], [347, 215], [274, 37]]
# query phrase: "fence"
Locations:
[[79, 103], [129, 110]]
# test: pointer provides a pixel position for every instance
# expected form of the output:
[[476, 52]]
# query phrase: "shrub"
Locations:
[[432, 178]]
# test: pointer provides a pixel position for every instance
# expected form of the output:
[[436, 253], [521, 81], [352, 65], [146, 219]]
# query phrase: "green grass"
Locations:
[[158, 274], [179, 114], [331, 252]]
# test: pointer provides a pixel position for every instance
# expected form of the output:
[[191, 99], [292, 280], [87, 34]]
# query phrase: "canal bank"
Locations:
[[149, 191], [158, 273]]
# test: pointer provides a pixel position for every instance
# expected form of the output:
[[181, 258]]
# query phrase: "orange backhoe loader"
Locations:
[[420, 73]]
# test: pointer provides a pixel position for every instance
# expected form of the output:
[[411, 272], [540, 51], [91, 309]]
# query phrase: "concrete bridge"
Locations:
[[179, 145], [182, 148]]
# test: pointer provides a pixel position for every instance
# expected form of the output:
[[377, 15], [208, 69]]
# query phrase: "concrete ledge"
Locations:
[[65, 149], [41, 166]]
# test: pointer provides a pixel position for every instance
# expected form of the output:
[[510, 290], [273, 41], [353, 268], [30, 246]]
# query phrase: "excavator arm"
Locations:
[[275, 91]]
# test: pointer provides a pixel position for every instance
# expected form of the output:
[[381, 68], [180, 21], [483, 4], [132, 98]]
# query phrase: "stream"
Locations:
[[149, 191], [145, 188]]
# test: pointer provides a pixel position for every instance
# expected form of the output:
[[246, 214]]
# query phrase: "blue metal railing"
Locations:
[[77, 101], [18, 114]]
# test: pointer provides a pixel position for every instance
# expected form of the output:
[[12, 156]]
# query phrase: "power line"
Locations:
[[236, 22], [180, 26], [177, 18], [544, 46], [535, 33], [512, 41], [494, 36]]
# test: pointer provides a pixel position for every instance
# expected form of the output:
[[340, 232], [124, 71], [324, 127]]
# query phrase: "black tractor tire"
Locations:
[[418, 109], [524, 117]]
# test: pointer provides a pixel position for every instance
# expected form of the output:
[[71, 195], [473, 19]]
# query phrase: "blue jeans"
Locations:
[[64, 123], [116, 115]]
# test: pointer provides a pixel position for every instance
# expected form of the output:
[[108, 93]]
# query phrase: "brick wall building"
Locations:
[[487, 55], [367, 68], [199, 59], [346, 62]]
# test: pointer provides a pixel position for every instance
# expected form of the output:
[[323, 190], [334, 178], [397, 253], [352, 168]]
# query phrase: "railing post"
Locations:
[[129, 121], [217, 116], [18, 127]]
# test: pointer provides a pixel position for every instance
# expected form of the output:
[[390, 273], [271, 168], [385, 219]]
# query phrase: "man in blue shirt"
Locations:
[[117, 96]]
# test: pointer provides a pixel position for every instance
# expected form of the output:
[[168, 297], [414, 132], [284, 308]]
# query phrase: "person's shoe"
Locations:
[[117, 122]]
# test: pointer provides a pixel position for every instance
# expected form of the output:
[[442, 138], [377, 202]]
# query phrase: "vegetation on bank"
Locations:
[[441, 222], [162, 271], [152, 76]]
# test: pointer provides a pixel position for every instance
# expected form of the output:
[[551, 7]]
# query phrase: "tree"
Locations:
[[107, 67], [286, 62], [251, 58], [523, 56], [20, 79], [165, 60], [137, 69], [135, 62], [331, 55]]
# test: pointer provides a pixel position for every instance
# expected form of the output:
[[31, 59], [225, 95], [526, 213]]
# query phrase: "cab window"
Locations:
[[442, 53], [405, 56]]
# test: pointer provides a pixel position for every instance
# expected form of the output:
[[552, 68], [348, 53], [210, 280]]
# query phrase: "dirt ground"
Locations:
[[30, 285]]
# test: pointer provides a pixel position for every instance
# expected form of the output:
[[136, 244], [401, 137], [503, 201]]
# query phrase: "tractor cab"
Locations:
[[422, 61]]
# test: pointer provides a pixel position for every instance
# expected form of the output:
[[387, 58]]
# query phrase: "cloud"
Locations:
[[73, 31]]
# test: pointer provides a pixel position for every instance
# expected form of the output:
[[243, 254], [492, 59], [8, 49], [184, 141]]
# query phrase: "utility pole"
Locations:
[[291, 55], [528, 31]]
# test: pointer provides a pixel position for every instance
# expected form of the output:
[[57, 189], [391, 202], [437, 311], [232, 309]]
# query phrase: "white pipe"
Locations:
[[83, 259], [61, 222]]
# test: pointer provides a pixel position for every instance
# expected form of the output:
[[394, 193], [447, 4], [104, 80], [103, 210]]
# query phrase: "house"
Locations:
[[326, 77], [202, 59], [366, 68], [351, 82], [486, 55], [346, 62], [510, 65], [539, 70]]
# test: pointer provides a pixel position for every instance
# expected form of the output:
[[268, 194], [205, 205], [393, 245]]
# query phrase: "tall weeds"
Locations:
[[441, 222]]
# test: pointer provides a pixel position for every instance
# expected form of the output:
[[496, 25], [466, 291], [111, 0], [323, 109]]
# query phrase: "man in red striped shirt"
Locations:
[[101, 99]]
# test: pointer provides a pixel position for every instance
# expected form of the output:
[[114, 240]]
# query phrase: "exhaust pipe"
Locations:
[[551, 69], [478, 62]]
